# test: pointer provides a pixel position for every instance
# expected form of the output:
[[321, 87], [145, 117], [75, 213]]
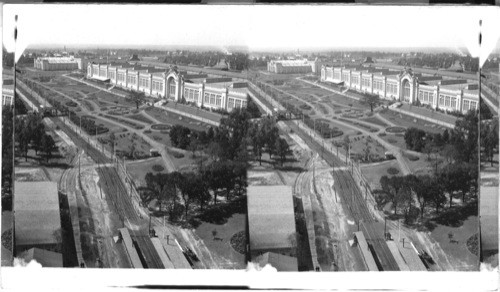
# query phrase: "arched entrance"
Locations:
[[406, 90], [171, 87]]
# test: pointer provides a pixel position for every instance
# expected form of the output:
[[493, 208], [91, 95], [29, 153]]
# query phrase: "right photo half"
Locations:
[[489, 171]]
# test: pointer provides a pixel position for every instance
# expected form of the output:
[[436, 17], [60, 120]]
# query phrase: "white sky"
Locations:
[[257, 27]]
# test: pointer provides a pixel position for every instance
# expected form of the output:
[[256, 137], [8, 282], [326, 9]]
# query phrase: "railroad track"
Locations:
[[353, 201], [118, 196]]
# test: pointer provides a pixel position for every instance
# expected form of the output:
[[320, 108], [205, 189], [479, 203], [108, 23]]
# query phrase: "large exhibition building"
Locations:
[[406, 86], [173, 84], [293, 66], [58, 63]]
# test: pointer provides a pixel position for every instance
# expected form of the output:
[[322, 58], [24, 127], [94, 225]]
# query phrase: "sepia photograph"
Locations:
[[236, 138]]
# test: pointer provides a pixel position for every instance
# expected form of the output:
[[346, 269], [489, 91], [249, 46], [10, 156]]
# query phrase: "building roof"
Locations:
[[59, 60], [282, 263], [290, 63], [365, 251], [271, 217], [44, 257], [37, 212]]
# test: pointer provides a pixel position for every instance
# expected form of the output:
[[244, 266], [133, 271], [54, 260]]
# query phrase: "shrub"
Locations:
[[412, 157], [158, 168], [176, 154], [392, 171]]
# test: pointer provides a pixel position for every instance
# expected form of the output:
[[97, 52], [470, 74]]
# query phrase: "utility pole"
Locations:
[[385, 227]]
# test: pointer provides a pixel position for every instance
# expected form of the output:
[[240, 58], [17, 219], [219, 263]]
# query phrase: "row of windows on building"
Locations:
[[238, 103], [157, 86], [469, 105], [391, 88], [447, 101], [191, 94], [365, 82], [426, 96], [378, 85], [213, 99]]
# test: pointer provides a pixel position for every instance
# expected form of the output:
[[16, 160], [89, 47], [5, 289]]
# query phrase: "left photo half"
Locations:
[[100, 175]]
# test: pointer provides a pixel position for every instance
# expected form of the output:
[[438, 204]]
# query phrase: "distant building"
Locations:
[[406, 86], [57, 63], [303, 66], [37, 216], [173, 84], [7, 92], [271, 220]]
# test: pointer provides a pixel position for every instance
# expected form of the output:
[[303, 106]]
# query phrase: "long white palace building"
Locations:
[[446, 94], [216, 93]]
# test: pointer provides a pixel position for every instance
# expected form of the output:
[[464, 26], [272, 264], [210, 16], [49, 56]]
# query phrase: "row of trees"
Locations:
[[489, 140], [460, 144], [457, 178], [459, 175], [31, 134], [441, 61], [201, 188], [230, 147]]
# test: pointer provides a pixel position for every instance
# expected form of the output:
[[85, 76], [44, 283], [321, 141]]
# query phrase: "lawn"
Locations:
[[359, 144], [396, 140], [110, 126], [221, 243], [170, 118], [111, 98], [458, 251], [421, 166], [373, 172], [183, 160], [124, 142], [139, 169], [160, 136], [375, 121], [346, 130], [429, 113], [142, 118], [407, 121]]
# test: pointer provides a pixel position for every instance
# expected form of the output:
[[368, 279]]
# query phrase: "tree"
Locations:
[[23, 136], [138, 98], [436, 195], [392, 187], [366, 150], [190, 186], [282, 149], [489, 139], [414, 139], [464, 137], [180, 136], [347, 146], [371, 100], [253, 109], [421, 186], [112, 140], [48, 146]]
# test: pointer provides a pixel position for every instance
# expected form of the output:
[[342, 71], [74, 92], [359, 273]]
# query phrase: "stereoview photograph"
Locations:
[[144, 137]]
